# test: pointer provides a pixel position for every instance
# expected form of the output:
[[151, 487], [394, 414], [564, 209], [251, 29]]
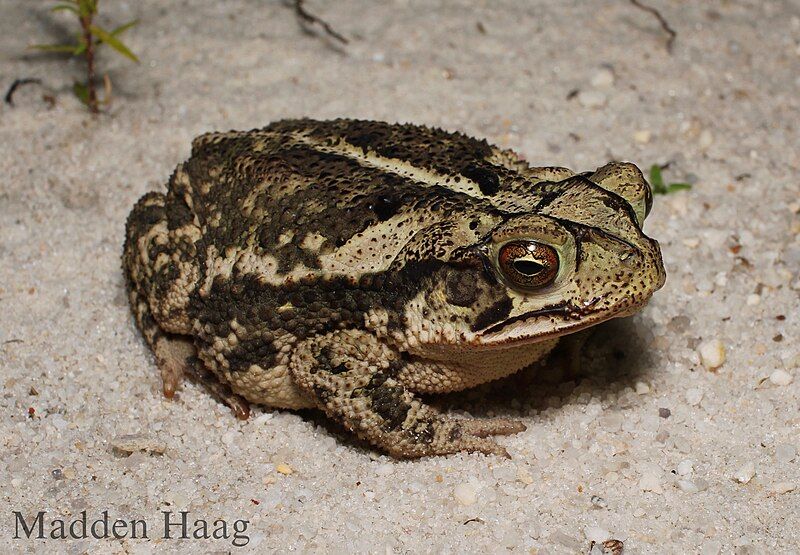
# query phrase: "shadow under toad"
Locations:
[[615, 356]]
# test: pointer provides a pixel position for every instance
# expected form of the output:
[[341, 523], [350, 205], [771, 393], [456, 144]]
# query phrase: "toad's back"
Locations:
[[319, 196]]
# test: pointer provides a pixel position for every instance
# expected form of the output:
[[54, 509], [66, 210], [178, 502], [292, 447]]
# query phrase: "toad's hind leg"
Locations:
[[147, 244], [157, 262], [354, 379], [159, 275]]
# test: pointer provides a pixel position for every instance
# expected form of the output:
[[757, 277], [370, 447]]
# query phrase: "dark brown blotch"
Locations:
[[388, 402], [460, 288], [486, 178], [385, 206], [495, 313]]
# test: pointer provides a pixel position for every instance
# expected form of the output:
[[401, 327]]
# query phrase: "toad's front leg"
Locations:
[[355, 379]]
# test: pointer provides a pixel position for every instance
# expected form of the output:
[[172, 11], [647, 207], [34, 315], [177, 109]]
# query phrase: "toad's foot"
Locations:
[[176, 358]]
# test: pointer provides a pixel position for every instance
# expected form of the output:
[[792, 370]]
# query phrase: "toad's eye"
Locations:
[[528, 264]]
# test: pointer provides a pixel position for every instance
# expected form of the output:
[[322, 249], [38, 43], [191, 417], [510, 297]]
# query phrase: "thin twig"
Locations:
[[664, 25], [9, 98], [312, 19], [107, 89], [86, 24]]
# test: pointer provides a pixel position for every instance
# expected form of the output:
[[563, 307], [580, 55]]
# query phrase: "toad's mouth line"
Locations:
[[566, 310], [583, 316]]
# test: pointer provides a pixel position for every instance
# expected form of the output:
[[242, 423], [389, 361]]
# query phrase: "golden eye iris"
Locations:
[[528, 263]]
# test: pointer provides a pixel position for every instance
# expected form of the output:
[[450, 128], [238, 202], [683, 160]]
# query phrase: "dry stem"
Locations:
[[663, 22], [86, 24], [312, 19]]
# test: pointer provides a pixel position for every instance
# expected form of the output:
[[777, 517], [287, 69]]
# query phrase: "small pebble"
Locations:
[[612, 422], [592, 99], [781, 377], [712, 353], [603, 78], [682, 444], [685, 468], [785, 453], [567, 541], [680, 324], [753, 299], [131, 443], [596, 534], [745, 473], [706, 139], [687, 486], [642, 388], [651, 482], [694, 396], [283, 468], [664, 412], [692, 242], [599, 502], [524, 476], [466, 494], [649, 423], [782, 487], [642, 136], [791, 360]]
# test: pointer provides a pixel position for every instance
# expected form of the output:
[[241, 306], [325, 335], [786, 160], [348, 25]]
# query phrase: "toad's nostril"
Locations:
[[628, 258]]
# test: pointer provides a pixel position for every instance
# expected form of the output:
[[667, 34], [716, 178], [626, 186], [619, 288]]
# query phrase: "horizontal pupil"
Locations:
[[527, 267]]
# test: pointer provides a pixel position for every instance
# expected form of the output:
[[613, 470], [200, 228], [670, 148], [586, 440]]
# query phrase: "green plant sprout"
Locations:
[[657, 182], [90, 37]]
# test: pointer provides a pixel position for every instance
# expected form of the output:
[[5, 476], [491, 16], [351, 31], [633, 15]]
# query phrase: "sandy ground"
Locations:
[[645, 446]]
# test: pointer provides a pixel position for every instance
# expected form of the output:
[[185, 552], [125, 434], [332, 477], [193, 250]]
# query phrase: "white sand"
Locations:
[[716, 476]]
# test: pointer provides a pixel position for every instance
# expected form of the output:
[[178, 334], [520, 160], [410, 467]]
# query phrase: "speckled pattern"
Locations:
[[657, 441]]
